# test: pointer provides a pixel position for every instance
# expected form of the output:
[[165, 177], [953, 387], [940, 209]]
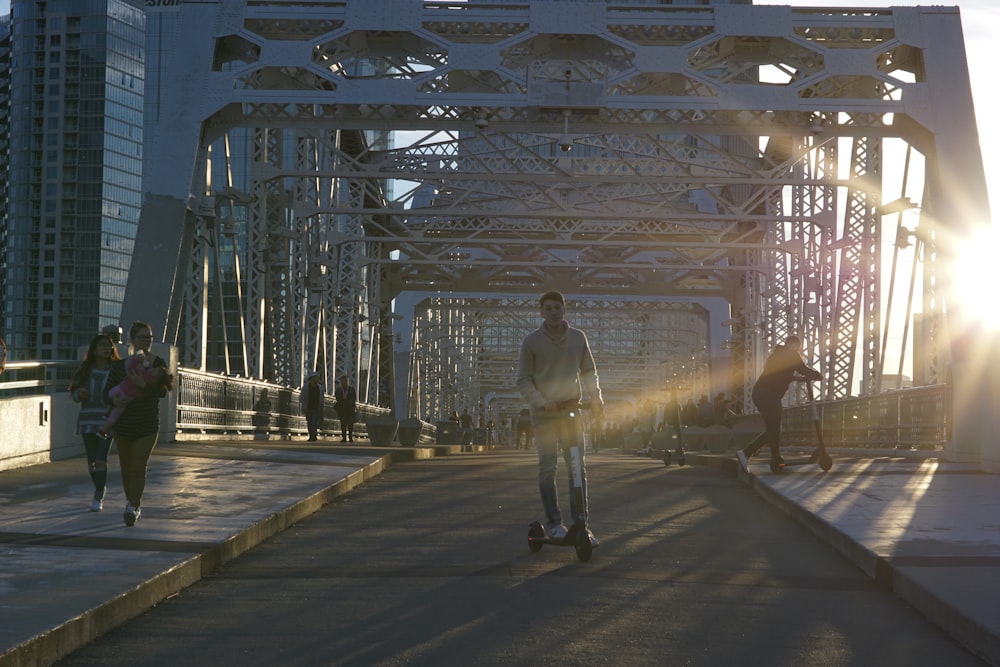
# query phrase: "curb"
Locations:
[[965, 630]]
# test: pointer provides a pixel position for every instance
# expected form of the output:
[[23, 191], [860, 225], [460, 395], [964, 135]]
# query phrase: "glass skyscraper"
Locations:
[[4, 134], [74, 173]]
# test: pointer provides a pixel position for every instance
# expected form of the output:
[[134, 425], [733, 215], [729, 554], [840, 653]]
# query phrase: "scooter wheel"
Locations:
[[584, 549], [535, 535], [825, 462], [680, 460], [666, 458]]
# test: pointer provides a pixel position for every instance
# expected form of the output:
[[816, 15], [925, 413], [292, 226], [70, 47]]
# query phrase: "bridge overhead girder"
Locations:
[[703, 162]]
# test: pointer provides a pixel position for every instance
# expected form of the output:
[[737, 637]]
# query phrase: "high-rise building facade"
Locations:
[[4, 134], [74, 172]]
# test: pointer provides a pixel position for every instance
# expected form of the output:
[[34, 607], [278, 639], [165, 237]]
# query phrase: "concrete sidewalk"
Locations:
[[205, 504], [925, 528]]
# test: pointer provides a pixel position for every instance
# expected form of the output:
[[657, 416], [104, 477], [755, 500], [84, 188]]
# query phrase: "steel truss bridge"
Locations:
[[317, 162]]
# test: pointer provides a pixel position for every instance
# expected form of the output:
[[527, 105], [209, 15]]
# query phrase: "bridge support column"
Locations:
[[975, 395]]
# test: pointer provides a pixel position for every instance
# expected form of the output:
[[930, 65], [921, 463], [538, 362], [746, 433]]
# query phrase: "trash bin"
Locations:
[[382, 430], [409, 432]]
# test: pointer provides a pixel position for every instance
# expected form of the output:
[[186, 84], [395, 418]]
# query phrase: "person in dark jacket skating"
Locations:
[[783, 366]]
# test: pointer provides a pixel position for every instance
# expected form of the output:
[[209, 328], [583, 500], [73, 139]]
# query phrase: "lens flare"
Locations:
[[976, 278]]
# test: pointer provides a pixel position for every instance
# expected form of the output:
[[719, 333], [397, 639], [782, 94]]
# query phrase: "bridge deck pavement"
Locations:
[[926, 528]]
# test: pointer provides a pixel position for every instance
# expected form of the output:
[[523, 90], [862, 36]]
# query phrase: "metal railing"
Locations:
[[917, 418], [208, 403], [214, 404], [29, 378]]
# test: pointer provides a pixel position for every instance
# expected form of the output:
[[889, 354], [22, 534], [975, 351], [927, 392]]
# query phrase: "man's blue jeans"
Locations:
[[552, 433]]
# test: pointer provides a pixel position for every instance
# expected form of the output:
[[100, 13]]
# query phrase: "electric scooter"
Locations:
[[678, 455], [819, 455], [578, 534]]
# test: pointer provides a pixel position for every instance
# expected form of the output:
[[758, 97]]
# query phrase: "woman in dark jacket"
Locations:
[[783, 366], [139, 426]]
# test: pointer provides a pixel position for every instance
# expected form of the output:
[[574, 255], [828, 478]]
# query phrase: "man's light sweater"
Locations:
[[556, 368]]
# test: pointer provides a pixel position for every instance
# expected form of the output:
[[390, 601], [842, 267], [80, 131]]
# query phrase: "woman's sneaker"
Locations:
[[131, 514], [96, 505]]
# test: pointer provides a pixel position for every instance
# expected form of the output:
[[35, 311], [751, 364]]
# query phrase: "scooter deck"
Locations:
[[543, 538], [819, 456]]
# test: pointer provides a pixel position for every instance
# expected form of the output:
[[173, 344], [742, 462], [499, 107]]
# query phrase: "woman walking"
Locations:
[[138, 428], [87, 389]]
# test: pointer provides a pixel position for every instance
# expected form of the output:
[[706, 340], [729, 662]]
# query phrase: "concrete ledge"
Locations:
[[870, 563], [947, 593], [961, 625], [58, 642]]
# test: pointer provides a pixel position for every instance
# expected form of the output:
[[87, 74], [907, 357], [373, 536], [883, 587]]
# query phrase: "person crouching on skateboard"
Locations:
[[554, 369], [783, 366]]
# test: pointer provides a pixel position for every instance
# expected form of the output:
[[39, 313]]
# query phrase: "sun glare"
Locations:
[[976, 276]]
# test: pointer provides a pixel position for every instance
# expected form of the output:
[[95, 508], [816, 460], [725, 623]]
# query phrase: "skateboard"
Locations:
[[819, 455]]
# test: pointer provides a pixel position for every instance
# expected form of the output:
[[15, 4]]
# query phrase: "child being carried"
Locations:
[[123, 393]]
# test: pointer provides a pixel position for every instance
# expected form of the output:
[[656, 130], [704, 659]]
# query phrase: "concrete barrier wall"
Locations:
[[25, 425], [37, 429]]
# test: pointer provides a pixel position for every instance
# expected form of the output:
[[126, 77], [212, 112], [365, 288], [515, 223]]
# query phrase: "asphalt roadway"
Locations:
[[359, 562]]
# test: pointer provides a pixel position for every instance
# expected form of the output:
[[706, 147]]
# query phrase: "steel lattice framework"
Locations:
[[621, 151], [465, 352]]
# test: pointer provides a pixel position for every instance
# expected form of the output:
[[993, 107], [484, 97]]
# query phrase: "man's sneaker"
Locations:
[[743, 459], [557, 531], [131, 514], [594, 542], [96, 505]]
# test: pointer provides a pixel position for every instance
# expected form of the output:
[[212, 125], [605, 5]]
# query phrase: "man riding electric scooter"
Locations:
[[555, 370]]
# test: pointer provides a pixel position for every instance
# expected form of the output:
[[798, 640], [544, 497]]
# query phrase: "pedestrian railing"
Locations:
[[29, 378], [208, 403], [915, 418]]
